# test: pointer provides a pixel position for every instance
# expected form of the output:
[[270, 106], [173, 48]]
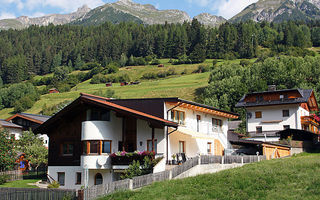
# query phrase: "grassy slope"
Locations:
[[182, 86], [21, 184], [290, 178]]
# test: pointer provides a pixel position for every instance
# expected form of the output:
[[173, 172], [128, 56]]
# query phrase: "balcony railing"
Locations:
[[309, 123]]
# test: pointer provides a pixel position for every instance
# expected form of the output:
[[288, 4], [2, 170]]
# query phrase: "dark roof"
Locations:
[[176, 99], [32, 117], [103, 102], [305, 95], [4, 123], [233, 125], [42, 118], [252, 142], [297, 134]]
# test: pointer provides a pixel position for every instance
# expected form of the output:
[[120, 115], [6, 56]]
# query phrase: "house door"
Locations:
[[130, 134], [218, 148]]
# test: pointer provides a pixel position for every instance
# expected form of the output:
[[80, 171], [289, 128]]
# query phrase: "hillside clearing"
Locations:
[[289, 178]]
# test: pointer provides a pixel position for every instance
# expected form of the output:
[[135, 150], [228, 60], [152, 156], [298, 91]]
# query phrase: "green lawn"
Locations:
[[290, 178], [21, 184]]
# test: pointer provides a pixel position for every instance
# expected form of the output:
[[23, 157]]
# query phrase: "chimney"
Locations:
[[272, 87]]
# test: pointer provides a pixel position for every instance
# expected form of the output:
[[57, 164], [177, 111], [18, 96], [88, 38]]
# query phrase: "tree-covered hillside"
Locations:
[[39, 50]]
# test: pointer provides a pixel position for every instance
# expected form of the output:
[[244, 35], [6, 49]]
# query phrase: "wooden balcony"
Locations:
[[308, 123]]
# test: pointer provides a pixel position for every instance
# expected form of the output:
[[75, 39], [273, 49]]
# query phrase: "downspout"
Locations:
[[167, 134]]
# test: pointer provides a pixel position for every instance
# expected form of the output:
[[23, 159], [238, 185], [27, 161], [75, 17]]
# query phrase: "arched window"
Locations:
[[98, 179]]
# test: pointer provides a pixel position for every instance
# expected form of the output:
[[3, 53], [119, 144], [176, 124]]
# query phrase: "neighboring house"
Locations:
[[87, 131], [275, 110], [14, 130], [53, 90], [29, 122]]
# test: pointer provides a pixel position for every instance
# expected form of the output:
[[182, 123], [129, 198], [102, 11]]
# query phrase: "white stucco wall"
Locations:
[[197, 146], [96, 161], [144, 133], [15, 131], [70, 175], [274, 113]]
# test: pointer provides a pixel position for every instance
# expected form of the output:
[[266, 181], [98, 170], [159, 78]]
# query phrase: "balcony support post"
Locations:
[[153, 147]]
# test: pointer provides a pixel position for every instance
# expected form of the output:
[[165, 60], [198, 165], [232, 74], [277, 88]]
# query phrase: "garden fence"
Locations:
[[13, 175], [137, 182], [36, 193]]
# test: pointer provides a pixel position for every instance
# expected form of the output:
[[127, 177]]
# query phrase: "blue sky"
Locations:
[[36, 8]]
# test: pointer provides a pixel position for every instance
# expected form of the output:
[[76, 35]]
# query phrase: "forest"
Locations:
[[39, 50], [101, 50]]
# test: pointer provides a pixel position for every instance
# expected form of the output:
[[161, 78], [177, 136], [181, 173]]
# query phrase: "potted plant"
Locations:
[[174, 161]]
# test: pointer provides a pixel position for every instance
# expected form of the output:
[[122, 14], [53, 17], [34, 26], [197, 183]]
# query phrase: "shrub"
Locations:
[[3, 179], [244, 62], [155, 62], [132, 171], [202, 69], [54, 184], [89, 66], [214, 62], [98, 78], [149, 75], [23, 104]]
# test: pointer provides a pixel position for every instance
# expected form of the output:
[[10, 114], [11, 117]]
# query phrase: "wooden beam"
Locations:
[[153, 147]]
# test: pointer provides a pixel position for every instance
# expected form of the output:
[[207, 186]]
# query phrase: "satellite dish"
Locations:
[[249, 115], [102, 160]]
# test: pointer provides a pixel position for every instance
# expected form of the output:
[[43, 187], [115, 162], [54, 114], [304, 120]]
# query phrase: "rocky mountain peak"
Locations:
[[83, 9]]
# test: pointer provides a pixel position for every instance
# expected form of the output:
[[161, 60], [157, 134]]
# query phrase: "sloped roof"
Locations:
[[6, 124], [305, 95], [32, 117], [103, 102]]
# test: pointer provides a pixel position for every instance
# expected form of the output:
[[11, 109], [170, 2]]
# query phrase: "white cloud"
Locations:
[[37, 14], [5, 15], [229, 8], [18, 3], [65, 5], [201, 3]]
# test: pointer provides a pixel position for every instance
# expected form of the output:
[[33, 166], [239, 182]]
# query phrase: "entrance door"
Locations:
[[130, 134]]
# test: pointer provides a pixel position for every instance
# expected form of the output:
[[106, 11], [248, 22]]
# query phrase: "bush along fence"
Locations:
[[36, 193], [140, 181], [12, 175]]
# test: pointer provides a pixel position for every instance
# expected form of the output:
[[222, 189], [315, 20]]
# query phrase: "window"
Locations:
[[178, 116], [216, 124], [99, 115], [209, 147], [285, 113], [182, 147], [285, 127], [94, 147], [149, 145], [258, 114], [259, 98], [106, 146], [66, 149], [259, 129], [98, 180], [61, 178], [78, 178], [198, 123]]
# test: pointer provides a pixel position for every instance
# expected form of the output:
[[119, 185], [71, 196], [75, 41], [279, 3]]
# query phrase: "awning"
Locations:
[[193, 134]]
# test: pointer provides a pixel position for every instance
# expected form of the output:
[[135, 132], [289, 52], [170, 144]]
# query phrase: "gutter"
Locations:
[[167, 134]]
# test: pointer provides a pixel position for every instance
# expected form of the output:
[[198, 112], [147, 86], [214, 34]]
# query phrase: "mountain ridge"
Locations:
[[279, 11], [120, 11]]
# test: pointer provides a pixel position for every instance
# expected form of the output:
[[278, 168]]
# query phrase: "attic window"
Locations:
[[99, 115]]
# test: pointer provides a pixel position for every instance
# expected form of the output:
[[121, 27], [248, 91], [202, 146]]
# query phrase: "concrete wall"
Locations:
[[207, 169], [274, 113]]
